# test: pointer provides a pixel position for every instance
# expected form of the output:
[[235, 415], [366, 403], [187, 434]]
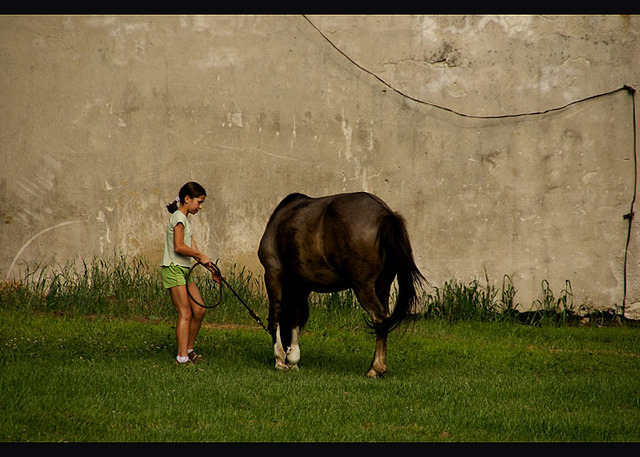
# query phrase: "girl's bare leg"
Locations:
[[197, 315], [180, 301]]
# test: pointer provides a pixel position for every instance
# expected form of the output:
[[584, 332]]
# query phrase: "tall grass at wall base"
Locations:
[[457, 300], [117, 287], [120, 287], [131, 287]]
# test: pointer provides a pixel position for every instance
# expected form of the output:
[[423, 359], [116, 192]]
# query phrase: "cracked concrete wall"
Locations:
[[105, 117]]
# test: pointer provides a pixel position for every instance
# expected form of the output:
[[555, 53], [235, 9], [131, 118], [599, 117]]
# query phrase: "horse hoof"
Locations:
[[284, 367], [373, 374]]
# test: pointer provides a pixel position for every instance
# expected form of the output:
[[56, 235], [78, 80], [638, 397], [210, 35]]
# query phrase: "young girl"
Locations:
[[179, 248]]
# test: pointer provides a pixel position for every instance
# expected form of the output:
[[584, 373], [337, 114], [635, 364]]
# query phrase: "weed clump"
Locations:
[[456, 301]]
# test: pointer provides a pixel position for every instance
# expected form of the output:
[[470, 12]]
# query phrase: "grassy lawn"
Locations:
[[101, 379]]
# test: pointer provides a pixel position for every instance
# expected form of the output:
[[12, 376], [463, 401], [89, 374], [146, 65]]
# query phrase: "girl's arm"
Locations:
[[183, 249]]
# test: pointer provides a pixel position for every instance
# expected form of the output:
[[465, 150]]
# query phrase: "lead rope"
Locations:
[[216, 270]]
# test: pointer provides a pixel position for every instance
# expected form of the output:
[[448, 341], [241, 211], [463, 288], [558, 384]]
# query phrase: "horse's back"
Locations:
[[357, 212], [321, 238], [354, 217]]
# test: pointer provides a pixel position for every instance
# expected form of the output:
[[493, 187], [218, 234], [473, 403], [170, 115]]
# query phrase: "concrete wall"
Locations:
[[105, 117]]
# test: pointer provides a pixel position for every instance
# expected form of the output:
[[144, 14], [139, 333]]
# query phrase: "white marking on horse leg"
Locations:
[[293, 352], [278, 351]]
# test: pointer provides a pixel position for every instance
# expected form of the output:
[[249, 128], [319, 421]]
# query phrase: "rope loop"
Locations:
[[216, 272]]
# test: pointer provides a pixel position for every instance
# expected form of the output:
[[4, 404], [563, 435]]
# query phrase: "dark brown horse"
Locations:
[[329, 244]]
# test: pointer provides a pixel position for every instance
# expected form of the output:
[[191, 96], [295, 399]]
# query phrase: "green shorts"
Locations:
[[174, 275]]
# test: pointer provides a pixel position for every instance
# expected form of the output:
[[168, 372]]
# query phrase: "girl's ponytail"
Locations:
[[173, 206]]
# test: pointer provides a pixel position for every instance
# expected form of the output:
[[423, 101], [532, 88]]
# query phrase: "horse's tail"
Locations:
[[394, 245]]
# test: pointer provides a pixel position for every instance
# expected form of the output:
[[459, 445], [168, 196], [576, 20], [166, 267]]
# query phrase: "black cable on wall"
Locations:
[[629, 89]]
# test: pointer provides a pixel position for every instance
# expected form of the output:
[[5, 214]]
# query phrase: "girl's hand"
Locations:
[[208, 264], [206, 261], [216, 276]]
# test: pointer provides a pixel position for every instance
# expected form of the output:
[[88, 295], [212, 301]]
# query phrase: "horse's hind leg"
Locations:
[[379, 364], [379, 311]]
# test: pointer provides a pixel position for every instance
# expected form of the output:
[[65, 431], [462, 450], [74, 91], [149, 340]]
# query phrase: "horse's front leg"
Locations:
[[279, 352], [273, 281], [287, 356], [293, 351]]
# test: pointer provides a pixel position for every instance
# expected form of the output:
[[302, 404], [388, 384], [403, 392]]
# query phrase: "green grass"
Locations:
[[97, 380], [71, 371]]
